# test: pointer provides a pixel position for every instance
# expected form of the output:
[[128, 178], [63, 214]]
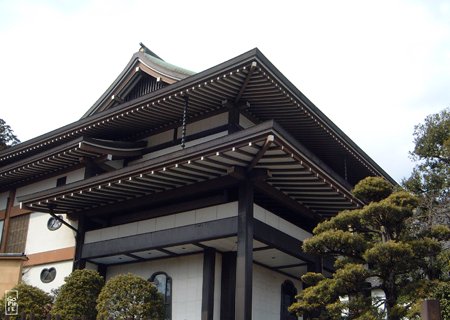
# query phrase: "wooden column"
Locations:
[[228, 286], [209, 267], [430, 310], [79, 263], [9, 206], [244, 259]]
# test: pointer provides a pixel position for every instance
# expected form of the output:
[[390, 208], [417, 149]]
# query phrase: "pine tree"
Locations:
[[375, 249]]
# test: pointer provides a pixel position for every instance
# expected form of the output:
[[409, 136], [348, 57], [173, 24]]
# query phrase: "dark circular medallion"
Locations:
[[53, 223], [48, 275]]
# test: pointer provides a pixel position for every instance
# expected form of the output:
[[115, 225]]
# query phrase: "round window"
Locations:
[[53, 223], [48, 275]]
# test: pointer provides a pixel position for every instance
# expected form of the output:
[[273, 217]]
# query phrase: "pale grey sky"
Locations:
[[375, 68]]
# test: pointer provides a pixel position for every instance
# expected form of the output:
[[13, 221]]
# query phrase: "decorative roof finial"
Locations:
[[146, 50]]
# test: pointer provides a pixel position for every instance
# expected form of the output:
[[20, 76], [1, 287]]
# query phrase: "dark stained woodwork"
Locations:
[[286, 201], [261, 152], [246, 81], [209, 265], [158, 198], [228, 286], [6, 223], [159, 239], [283, 242], [244, 260], [79, 262]]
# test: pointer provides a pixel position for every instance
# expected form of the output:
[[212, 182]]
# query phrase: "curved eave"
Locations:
[[269, 93], [63, 157], [289, 166]]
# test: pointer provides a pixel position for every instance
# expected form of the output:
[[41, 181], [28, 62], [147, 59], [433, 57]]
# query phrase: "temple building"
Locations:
[[204, 183]]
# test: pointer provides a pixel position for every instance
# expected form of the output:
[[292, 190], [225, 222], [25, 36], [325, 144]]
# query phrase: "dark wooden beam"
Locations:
[[162, 197], [281, 241], [244, 260], [286, 201], [233, 120], [209, 266], [205, 231], [5, 233], [246, 81], [270, 138], [79, 262]]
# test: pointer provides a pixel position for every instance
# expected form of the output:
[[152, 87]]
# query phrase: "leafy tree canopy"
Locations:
[[127, 296], [374, 250], [77, 297], [430, 182], [31, 300], [430, 179], [7, 137]]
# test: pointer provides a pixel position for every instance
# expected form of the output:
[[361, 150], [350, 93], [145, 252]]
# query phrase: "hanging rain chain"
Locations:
[[183, 132]]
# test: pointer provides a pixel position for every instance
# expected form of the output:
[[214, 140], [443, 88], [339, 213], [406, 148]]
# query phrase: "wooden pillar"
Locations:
[[430, 310], [79, 263], [9, 206], [244, 258], [228, 286], [233, 119], [209, 267]]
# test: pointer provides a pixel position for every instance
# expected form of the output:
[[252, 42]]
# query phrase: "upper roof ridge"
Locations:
[[146, 50]]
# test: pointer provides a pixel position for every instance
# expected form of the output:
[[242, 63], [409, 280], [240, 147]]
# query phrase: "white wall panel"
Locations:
[[267, 292], [279, 223], [187, 278], [3, 200], [41, 239], [32, 275], [49, 183], [163, 223]]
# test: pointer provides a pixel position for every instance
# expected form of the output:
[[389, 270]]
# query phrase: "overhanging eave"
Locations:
[[213, 159]]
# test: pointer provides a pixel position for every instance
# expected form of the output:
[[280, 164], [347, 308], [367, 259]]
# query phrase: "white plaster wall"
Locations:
[[32, 275], [279, 223], [267, 292], [49, 183], [187, 278], [41, 239], [3, 200], [163, 223]]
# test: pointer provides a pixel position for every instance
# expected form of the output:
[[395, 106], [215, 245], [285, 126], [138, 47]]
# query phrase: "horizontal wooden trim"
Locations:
[[16, 211], [203, 231], [57, 255], [11, 257]]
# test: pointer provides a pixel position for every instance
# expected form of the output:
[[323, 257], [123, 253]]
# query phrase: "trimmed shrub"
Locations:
[[77, 297], [128, 296], [31, 300]]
